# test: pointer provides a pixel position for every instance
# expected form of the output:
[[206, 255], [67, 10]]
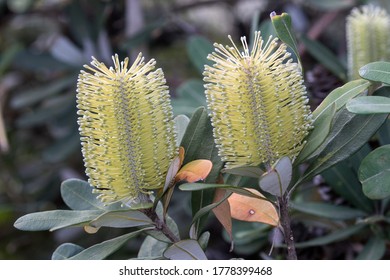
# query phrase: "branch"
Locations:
[[286, 226], [161, 225]]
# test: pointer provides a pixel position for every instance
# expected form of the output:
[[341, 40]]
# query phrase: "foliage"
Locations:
[[338, 184]]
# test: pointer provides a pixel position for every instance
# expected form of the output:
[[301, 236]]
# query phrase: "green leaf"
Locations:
[[331, 238], [327, 210], [198, 48], [198, 142], [121, 219], [384, 133], [277, 180], [200, 186], [193, 92], [54, 109], [182, 107], [374, 173], [204, 240], [63, 148], [355, 160], [374, 249], [20, 6], [283, 28], [157, 234], [246, 171], [249, 238], [348, 134], [159, 209], [152, 249], [102, 250], [378, 71], [31, 61], [331, 5], [204, 211], [341, 95], [254, 27], [342, 178], [189, 96], [369, 105], [185, 250], [78, 195], [8, 55], [172, 226], [318, 134], [79, 26], [35, 95], [181, 123], [267, 29], [375, 219], [142, 36], [247, 233], [325, 57], [55, 219], [66, 251]]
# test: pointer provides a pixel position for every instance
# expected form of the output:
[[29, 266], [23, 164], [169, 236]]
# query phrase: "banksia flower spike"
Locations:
[[126, 127], [368, 39], [258, 103]]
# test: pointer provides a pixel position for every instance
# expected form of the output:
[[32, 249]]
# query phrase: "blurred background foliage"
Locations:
[[45, 43]]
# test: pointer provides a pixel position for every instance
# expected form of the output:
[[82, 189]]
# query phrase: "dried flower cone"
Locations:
[[258, 103], [126, 128], [368, 37]]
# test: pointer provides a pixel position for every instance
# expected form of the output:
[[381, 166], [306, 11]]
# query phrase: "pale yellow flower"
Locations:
[[257, 102], [126, 127], [368, 37]]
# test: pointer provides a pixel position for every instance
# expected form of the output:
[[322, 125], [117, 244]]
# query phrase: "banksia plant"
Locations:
[[368, 39], [126, 128], [257, 102]]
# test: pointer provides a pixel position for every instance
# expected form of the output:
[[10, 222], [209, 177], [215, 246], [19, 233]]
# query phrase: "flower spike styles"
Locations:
[[126, 128], [257, 102], [368, 39]]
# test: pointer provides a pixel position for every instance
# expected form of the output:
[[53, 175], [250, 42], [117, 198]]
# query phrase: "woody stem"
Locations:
[[286, 227]]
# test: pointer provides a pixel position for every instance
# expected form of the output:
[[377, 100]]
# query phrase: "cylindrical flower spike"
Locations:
[[258, 103], [126, 127], [368, 39]]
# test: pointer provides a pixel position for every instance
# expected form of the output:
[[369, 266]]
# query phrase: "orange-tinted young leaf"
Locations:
[[181, 154], [222, 211], [251, 209], [194, 171]]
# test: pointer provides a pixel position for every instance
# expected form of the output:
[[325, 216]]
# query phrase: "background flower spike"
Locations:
[[368, 39]]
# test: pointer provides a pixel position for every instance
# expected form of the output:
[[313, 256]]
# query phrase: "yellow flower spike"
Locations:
[[368, 39], [126, 128], [258, 102]]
